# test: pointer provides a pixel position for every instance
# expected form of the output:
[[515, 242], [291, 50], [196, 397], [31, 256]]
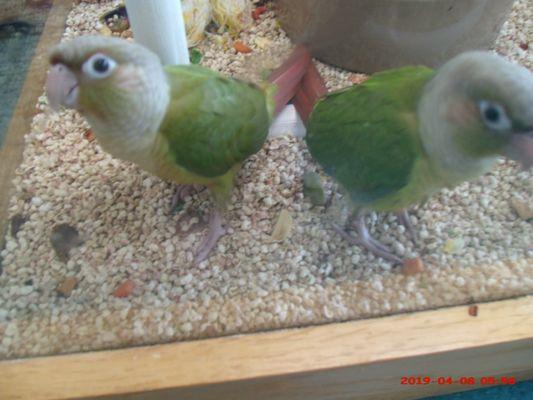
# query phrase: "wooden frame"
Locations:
[[13, 146], [363, 359]]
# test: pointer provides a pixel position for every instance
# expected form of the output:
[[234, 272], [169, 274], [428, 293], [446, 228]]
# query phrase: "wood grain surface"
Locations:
[[359, 359]]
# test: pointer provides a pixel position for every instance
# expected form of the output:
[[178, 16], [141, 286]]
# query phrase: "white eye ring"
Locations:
[[494, 116], [98, 66]]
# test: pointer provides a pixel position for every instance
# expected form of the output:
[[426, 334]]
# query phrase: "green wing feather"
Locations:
[[213, 123], [366, 136]]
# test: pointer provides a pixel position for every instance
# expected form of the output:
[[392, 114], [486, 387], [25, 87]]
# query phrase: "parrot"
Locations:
[[406, 133], [185, 123]]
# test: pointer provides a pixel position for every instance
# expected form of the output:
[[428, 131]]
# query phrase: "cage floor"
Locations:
[[474, 245]]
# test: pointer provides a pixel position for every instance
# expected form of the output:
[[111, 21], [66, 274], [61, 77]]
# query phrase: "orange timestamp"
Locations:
[[461, 380]]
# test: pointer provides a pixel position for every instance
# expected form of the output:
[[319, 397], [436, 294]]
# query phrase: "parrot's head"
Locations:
[[118, 85], [485, 105]]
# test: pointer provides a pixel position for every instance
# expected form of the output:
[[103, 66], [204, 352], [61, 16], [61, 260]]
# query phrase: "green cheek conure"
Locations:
[[186, 124], [404, 134]]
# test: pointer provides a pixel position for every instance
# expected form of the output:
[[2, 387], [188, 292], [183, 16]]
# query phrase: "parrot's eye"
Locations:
[[494, 116], [98, 66]]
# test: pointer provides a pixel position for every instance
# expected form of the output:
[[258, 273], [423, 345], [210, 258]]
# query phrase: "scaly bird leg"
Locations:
[[403, 217], [220, 191], [356, 220], [215, 231], [366, 240], [182, 192]]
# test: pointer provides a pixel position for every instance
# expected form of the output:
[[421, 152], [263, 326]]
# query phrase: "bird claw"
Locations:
[[370, 244], [178, 199], [403, 218], [215, 231]]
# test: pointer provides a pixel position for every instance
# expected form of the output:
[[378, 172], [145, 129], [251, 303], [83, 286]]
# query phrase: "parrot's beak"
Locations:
[[61, 87], [521, 148]]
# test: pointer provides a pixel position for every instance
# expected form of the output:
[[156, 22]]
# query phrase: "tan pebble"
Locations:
[[66, 287], [262, 42], [412, 266], [357, 79], [124, 289], [522, 208]]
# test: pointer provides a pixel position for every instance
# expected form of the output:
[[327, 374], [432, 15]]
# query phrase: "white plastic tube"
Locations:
[[288, 122], [158, 25]]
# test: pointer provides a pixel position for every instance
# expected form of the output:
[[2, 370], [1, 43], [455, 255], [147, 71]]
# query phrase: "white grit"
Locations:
[[474, 245]]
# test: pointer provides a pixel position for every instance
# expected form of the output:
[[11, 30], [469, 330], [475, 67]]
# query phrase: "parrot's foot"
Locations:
[[366, 240], [358, 221], [403, 217], [215, 231], [182, 192], [369, 243]]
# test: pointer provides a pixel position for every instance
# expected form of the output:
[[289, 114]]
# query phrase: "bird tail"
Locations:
[[286, 79]]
